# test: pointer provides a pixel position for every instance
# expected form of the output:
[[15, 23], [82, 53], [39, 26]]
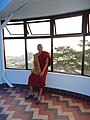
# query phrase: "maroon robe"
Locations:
[[35, 80]]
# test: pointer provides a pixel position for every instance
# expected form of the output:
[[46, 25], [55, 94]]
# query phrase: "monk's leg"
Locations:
[[40, 93], [30, 93], [39, 97], [31, 90]]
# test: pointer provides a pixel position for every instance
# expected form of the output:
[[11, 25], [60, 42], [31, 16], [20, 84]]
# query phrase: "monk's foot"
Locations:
[[38, 101], [35, 97], [29, 96]]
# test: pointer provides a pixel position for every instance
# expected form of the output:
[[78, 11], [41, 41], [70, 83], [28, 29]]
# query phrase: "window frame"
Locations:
[[52, 19], [10, 32], [38, 21], [67, 33]]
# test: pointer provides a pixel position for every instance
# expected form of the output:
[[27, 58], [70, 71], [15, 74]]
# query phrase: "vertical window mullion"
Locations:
[[25, 36], [84, 30], [52, 34], [83, 56], [4, 49], [84, 23], [88, 23]]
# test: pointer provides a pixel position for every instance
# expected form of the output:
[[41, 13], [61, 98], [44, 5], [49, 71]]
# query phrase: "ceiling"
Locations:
[[11, 7], [34, 8]]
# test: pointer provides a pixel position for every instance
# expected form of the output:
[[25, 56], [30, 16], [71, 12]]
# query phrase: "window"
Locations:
[[61, 36], [38, 28], [67, 55], [14, 30], [69, 25], [15, 53], [87, 56], [32, 48]]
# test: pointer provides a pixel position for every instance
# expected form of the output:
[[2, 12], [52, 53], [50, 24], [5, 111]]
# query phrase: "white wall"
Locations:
[[78, 84], [37, 8]]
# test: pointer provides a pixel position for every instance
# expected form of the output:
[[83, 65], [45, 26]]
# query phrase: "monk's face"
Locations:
[[40, 48]]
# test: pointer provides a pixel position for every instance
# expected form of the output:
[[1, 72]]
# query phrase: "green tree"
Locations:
[[67, 60], [86, 57]]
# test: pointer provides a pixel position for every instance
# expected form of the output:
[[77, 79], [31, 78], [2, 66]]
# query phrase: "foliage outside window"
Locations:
[[67, 55], [87, 56]]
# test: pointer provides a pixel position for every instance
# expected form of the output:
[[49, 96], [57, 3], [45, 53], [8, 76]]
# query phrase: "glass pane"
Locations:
[[15, 54], [41, 28], [13, 30], [87, 56], [67, 55], [32, 48], [69, 25]]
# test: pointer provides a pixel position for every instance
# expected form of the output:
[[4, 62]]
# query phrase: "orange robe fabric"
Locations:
[[36, 80]]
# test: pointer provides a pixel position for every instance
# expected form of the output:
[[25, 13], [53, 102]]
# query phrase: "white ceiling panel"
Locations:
[[37, 8], [13, 6]]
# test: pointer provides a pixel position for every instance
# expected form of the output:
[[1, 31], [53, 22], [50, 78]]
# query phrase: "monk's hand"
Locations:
[[41, 74]]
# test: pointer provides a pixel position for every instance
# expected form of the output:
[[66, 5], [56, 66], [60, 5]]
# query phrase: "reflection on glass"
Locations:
[[87, 56], [32, 48], [15, 54], [67, 55], [69, 25]]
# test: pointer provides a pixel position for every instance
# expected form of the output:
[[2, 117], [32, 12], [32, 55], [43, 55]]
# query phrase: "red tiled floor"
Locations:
[[13, 106]]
